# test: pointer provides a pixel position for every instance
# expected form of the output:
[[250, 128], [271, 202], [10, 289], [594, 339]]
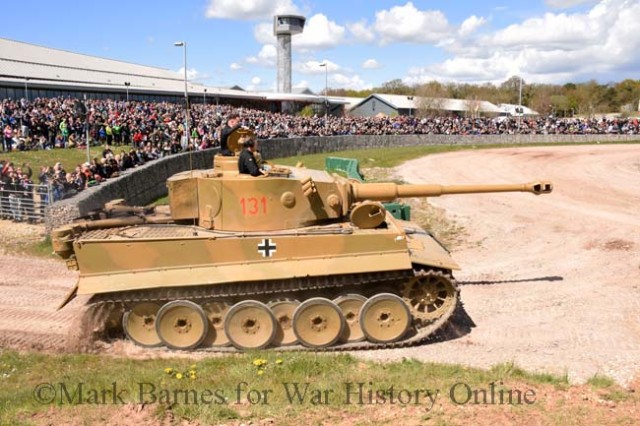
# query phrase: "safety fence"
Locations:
[[25, 205]]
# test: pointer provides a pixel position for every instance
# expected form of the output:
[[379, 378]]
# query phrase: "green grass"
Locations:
[[230, 387], [394, 156], [69, 158], [379, 157], [599, 381], [41, 248]]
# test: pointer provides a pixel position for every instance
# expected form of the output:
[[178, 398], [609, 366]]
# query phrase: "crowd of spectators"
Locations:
[[16, 191], [135, 132], [56, 123]]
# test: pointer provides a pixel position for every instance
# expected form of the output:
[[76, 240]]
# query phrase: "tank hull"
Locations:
[[156, 256], [149, 268]]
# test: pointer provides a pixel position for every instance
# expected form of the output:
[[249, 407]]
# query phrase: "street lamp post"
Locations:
[[520, 110], [204, 97], [410, 99], [326, 89], [186, 94], [126, 85]]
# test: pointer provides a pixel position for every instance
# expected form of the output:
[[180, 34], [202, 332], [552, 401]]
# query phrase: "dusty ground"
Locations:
[[552, 282]]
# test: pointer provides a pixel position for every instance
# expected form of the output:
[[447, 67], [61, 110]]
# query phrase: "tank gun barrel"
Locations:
[[391, 191]]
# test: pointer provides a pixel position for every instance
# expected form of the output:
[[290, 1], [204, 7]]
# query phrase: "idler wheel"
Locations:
[[215, 312], [318, 323], [139, 324], [283, 311], [182, 324], [250, 325], [385, 318], [350, 305]]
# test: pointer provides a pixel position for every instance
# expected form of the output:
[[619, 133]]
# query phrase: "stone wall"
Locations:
[[279, 148], [138, 186], [144, 184]]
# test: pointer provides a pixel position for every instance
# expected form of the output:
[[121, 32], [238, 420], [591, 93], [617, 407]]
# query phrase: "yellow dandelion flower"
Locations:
[[260, 372], [278, 361], [168, 370], [192, 374], [178, 376]]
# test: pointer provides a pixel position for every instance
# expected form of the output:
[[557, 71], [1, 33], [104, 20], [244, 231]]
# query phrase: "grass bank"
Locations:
[[378, 157], [289, 388]]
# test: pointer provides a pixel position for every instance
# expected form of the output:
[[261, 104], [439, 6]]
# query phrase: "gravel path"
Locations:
[[551, 282]]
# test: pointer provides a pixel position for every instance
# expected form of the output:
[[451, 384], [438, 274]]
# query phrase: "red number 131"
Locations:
[[253, 206]]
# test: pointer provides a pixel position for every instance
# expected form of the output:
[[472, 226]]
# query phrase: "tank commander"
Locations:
[[247, 163], [233, 124]]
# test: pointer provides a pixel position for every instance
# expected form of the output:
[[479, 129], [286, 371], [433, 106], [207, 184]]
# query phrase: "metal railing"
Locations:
[[27, 205]]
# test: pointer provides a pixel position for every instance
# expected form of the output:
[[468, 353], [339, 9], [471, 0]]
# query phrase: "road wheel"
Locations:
[[318, 323], [283, 311], [350, 305], [250, 325], [139, 324], [182, 325], [385, 318]]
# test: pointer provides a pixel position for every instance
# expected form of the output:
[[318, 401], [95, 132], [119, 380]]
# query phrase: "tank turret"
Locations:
[[297, 257], [289, 198]]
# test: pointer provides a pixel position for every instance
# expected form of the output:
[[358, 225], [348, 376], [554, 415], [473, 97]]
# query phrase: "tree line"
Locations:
[[570, 99]]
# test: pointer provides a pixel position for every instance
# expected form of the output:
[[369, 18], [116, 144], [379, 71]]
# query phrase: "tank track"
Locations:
[[368, 283]]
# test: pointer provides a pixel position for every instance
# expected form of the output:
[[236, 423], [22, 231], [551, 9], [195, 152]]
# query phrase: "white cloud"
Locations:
[[250, 9], [470, 25], [263, 33], [349, 82], [256, 81], [370, 64], [315, 67], [565, 4], [408, 24], [304, 84], [266, 57], [319, 33], [546, 49], [235, 66], [550, 32], [192, 74], [362, 32]]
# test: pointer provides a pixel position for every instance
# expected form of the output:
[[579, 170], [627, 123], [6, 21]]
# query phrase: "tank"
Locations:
[[297, 259]]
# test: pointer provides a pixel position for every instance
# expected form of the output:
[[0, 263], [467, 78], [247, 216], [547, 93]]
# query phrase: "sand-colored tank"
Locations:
[[299, 258]]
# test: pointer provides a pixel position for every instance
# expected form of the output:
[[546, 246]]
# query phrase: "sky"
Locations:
[[365, 43]]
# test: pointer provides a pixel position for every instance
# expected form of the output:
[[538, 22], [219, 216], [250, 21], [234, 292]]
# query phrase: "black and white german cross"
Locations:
[[266, 247]]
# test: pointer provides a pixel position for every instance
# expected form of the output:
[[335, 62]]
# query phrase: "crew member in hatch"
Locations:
[[247, 161], [233, 124]]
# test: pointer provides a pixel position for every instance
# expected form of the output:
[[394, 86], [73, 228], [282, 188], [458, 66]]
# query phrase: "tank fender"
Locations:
[[426, 250], [71, 294]]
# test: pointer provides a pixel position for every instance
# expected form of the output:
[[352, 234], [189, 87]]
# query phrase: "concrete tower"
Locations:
[[284, 26]]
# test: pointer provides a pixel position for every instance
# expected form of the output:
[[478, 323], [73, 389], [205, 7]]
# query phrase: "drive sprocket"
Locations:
[[430, 295]]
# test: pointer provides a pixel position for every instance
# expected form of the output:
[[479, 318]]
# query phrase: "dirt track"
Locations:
[[552, 282]]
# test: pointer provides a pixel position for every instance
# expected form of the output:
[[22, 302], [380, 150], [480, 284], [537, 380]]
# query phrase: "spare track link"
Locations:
[[258, 290]]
